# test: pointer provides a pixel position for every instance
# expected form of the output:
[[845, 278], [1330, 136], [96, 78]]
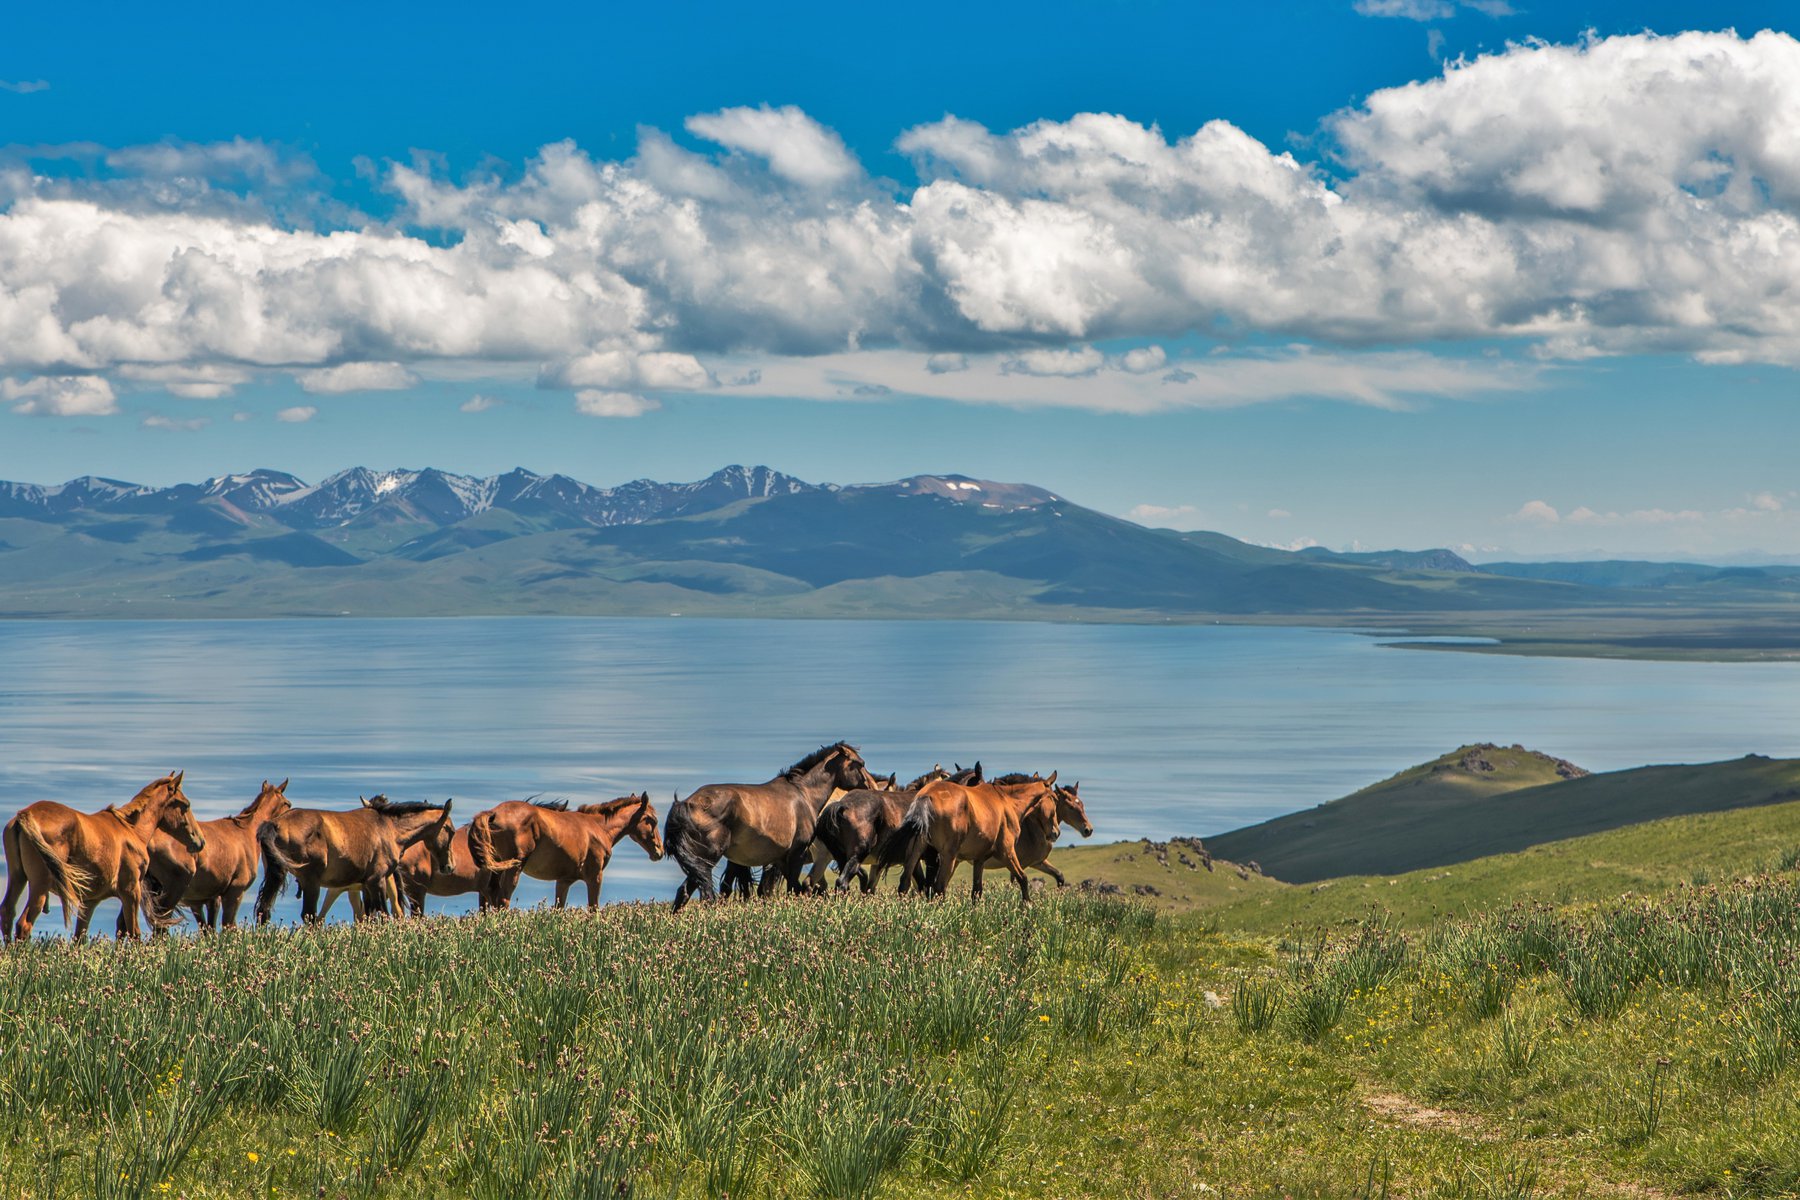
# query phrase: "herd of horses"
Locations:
[[826, 812]]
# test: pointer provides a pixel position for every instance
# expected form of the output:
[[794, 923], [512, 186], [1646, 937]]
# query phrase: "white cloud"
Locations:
[[796, 147], [480, 403], [201, 381], [23, 87], [1143, 360], [1279, 514], [60, 396], [1072, 363], [1295, 544], [593, 403], [1179, 516], [300, 414], [945, 364], [175, 425], [1766, 502], [1614, 196], [1411, 10], [356, 377], [1537, 512]]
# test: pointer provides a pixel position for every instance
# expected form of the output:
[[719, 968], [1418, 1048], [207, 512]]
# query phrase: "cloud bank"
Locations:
[[1633, 194]]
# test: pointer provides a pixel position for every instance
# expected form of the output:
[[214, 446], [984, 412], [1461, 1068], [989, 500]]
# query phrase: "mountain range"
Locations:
[[742, 541]]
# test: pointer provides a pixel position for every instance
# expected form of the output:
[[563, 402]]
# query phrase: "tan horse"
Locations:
[[855, 824], [355, 849], [1040, 825], [211, 882], [546, 842], [758, 824], [84, 858], [976, 822]]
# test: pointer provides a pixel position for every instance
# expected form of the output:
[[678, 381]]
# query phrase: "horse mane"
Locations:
[[249, 810], [557, 805], [389, 808], [132, 807], [609, 807], [1016, 777], [818, 756]]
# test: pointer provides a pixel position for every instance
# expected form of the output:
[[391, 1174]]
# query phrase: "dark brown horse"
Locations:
[[546, 842], [211, 882], [976, 823], [84, 858], [854, 826], [758, 824], [1039, 827], [355, 849]]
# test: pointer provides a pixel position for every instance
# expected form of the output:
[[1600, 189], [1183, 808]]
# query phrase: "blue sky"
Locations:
[[1377, 272]]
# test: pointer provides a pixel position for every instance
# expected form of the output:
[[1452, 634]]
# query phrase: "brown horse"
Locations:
[[758, 824], [355, 849], [854, 826], [1039, 827], [84, 858], [418, 876], [211, 882], [977, 823], [547, 842]]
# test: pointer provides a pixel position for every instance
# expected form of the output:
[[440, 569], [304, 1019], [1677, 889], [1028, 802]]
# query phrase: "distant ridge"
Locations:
[[741, 541], [1484, 799]]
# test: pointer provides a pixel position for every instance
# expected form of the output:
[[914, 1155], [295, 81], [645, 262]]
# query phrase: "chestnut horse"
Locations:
[[1039, 827], [418, 876], [978, 823], [758, 824], [854, 826], [211, 882], [355, 849], [84, 858], [547, 842]]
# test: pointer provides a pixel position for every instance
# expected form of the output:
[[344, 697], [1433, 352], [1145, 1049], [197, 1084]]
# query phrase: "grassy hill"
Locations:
[[1483, 800]]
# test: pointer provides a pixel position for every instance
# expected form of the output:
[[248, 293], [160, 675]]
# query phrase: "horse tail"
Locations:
[[67, 880], [276, 866], [161, 909], [681, 844], [909, 838], [481, 844]]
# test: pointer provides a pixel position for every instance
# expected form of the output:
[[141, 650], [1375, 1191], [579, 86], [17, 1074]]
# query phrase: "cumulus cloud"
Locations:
[[796, 147], [597, 403], [60, 396], [1538, 512], [356, 377], [299, 414], [480, 403], [1618, 195]]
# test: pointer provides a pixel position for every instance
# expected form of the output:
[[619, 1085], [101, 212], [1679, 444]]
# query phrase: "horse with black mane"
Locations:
[[854, 826], [210, 881], [546, 841], [758, 824], [359, 849], [977, 822]]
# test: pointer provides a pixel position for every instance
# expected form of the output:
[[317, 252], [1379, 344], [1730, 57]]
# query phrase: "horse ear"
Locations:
[[179, 776], [1051, 782], [265, 786], [283, 786], [642, 804], [446, 810]]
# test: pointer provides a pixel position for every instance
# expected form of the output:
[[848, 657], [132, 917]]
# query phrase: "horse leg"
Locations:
[[35, 903], [975, 883], [1052, 872], [129, 899], [415, 899], [940, 882], [309, 904], [593, 887], [83, 915], [15, 880], [797, 863], [226, 909], [562, 892], [1011, 856]]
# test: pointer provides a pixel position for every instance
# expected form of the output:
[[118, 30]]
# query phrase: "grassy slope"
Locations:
[[1440, 812]]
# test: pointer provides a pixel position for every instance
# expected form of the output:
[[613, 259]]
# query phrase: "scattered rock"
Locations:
[[1145, 889]]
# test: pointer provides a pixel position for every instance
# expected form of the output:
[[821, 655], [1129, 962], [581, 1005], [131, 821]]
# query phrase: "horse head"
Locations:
[[967, 776], [177, 819], [438, 837], [848, 769], [1070, 810], [643, 829]]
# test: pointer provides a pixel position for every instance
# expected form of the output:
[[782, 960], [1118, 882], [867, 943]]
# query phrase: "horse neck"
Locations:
[[142, 814], [615, 823], [258, 814], [816, 785]]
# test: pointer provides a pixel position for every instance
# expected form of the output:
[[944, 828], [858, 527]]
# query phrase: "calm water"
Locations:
[[1170, 729]]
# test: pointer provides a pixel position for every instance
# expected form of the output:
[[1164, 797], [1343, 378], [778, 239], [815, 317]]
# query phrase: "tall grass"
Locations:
[[824, 1045]]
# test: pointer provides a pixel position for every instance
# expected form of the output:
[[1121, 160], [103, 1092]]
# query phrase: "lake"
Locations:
[[1170, 729]]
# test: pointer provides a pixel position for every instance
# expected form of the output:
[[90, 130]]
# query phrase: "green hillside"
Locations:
[[1484, 800]]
